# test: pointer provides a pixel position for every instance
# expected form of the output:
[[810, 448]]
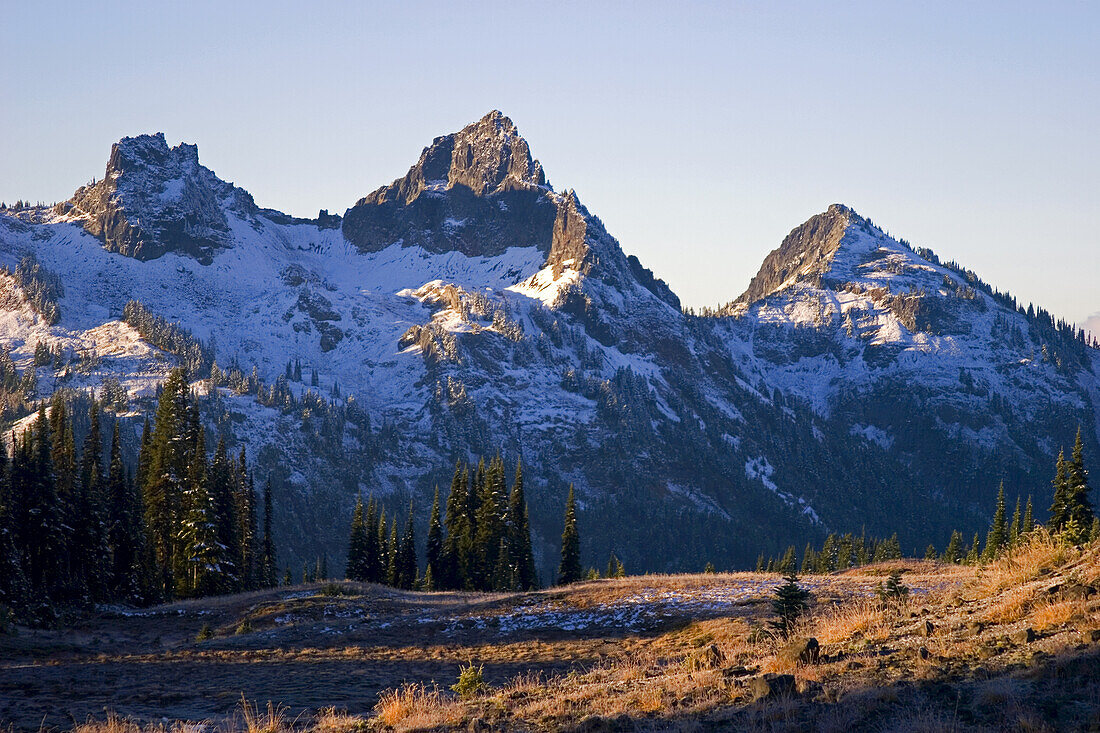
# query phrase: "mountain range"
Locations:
[[859, 384]]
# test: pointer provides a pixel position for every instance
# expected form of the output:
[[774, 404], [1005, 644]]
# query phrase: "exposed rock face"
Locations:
[[154, 199], [805, 254], [477, 191]]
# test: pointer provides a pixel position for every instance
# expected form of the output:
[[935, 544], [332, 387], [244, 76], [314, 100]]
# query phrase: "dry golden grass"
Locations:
[[1050, 614], [116, 724], [415, 707], [864, 618], [1010, 605], [1037, 555], [331, 720]]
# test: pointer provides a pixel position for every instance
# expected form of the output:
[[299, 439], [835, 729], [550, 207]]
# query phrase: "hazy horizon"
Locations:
[[699, 136]]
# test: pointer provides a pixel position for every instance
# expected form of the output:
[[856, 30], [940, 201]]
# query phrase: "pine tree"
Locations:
[[1078, 507], [519, 534], [974, 553], [391, 554], [200, 556], [1028, 523], [1014, 528], [930, 552], [490, 528], [221, 479], [244, 505], [269, 559], [953, 553], [357, 544], [790, 602], [1059, 511], [789, 564], [998, 533], [569, 571], [372, 558], [406, 566], [505, 576], [433, 553], [457, 525], [123, 527], [162, 490]]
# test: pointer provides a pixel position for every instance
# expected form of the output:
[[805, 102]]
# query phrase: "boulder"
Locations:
[[801, 651], [929, 628], [767, 686], [1024, 636], [923, 653]]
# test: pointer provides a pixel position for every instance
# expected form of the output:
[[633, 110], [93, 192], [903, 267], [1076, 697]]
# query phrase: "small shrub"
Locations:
[[245, 627], [205, 633], [337, 589], [471, 681], [790, 602], [893, 591]]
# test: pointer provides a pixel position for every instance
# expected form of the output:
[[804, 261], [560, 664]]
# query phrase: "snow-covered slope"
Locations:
[[470, 308]]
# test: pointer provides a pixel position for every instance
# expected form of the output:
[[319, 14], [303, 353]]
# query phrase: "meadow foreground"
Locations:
[[1011, 646]]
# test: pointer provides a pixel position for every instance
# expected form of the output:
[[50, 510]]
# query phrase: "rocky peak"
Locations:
[[805, 254], [477, 191], [154, 199]]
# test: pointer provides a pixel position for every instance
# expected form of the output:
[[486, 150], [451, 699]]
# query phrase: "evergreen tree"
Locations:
[[519, 531], [221, 489], [244, 506], [930, 552], [789, 564], [1014, 528], [200, 555], [124, 530], [973, 555], [96, 565], [391, 554], [357, 544], [162, 490], [269, 568], [433, 571], [569, 571], [790, 602], [457, 524], [1059, 510], [1028, 523], [1078, 507], [490, 521], [406, 569], [505, 576], [998, 531], [953, 553], [372, 556]]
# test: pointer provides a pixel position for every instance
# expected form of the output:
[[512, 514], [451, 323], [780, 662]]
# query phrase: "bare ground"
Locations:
[[645, 652]]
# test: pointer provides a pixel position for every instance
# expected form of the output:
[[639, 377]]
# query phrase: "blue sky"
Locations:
[[700, 133]]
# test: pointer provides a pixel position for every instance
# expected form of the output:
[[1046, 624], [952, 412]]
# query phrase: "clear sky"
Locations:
[[700, 133]]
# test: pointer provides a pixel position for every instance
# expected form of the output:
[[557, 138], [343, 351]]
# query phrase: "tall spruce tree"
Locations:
[[1059, 509], [1014, 527], [269, 559], [490, 521], [457, 539], [1028, 522], [162, 491], [357, 544], [998, 532], [519, 532], [1078, 506], [569, 570], [433, 553], [372, 558], [405, 572], [221, 480]]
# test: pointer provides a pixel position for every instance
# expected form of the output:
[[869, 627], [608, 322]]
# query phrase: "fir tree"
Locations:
[[1014, 528], [1028, 523], [490, 521], [1059, 510], [952, 553], [269, 558], [406, 570], [244, 506], [569, 571], [998, 532], [221, 489], [200, 553], [357, 544], [1078, 507], [433, 553], [391, 554], [456, 522], [372, 557], [519, 531], [162, 490], [790, 602]]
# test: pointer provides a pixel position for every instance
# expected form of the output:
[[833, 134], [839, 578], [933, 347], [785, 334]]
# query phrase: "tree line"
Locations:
[[80, 527], [1071, 518], [480, 539]]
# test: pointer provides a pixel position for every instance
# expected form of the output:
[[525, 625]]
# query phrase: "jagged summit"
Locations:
[[806, 254], [477, 191], [154, 199]]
